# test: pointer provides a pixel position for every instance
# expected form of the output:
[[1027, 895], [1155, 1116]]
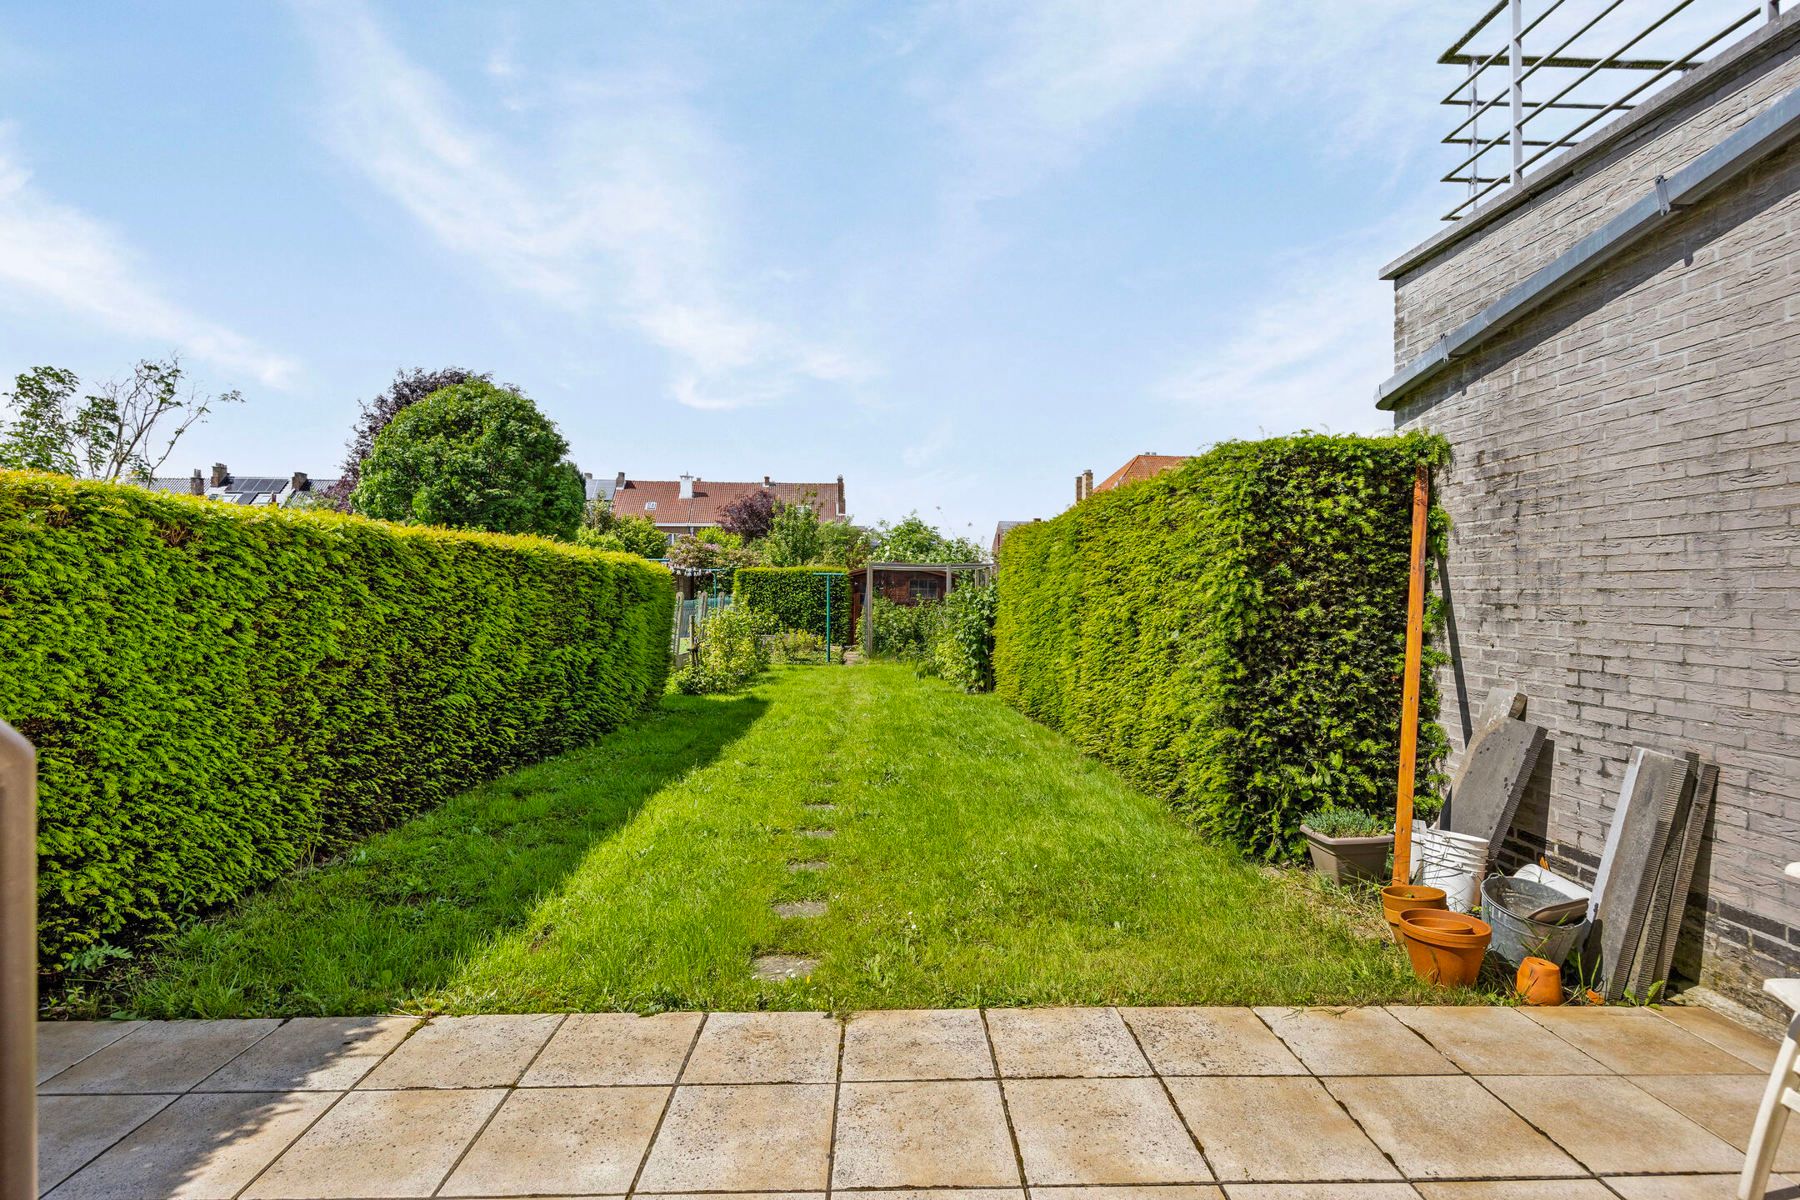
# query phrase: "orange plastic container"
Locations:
[[1445, 948]]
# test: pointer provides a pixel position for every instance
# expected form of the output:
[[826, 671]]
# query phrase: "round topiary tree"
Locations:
[[473, 456]]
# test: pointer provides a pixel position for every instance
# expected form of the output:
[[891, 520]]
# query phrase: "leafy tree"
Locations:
[[408, 388], [626, 535], [793, 539], [844, 545], [750, 516], [713, 548], [913, 540], [126, 432], [473, 456]]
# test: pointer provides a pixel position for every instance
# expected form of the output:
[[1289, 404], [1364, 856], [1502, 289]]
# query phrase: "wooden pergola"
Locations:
[[950, 572]]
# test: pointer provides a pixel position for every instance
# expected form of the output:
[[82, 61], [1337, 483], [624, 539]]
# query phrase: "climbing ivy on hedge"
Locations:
[[796, 598], [1230, 634], [220, 693]]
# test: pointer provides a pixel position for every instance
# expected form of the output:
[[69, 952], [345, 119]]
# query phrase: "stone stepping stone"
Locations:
[[818, 833], [811, 864], [801, 908], [780, 967], [821, 806]]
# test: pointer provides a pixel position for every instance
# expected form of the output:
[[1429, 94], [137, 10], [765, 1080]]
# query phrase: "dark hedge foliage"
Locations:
[[218, 694], [1231, 634], [795, 596]]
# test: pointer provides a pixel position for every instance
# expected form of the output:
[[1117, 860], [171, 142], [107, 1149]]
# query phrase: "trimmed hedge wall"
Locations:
[[1231, 634], [796, 598], [218, 694]]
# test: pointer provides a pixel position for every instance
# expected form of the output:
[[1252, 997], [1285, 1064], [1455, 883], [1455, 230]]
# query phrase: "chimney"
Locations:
[[618, 481], [767, 481], [1087, 484], [1078, 496], [220, 476], [197, 485], [687, 487], [298, 482], [840, 511]]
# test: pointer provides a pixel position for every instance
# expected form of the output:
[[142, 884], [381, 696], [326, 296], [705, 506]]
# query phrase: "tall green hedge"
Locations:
[[219, 693], [1230, 634], [796, 597]]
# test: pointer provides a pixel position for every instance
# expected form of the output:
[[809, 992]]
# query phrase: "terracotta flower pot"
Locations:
[[1540, 982], [1397, 897], [1445, 948]]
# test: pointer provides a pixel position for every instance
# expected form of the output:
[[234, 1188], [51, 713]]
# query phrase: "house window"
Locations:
[[649, 506], [927, 587]]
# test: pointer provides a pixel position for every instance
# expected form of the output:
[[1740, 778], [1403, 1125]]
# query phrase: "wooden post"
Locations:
[[18, 967], [1409, 695], [869, 614]]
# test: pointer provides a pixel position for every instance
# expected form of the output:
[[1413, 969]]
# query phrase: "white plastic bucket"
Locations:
[[1443, 858]]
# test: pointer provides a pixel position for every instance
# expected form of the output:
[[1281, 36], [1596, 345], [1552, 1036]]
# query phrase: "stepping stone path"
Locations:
[[783, 967], [780, 967], [801, 908]]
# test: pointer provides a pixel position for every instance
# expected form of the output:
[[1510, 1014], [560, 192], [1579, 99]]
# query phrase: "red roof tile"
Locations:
[[660, 499], [1140, 468]]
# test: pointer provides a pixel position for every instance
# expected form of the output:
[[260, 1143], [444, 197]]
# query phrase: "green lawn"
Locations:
[[978, 859]]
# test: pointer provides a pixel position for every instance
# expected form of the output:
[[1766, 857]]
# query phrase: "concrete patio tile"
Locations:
[[1210, 1041], [1142, 1191], [1725, 1105], [922, 1134], [1516, 1189], [1354, 1041], [1321, 1191], [599, 1049], [1063, 1042], [770, 1047], [1637, 1041], [62, 1044], [1496, 1041], [379, 1144], [934, 1194], [1447, 1126], [313, 1054], [1273, 1129], [743, 1137], [561, 1141], [755, 1196], [1695, 1187], [1726, 1034], [201, 1147], [1613, 1126], [917, 1044], [161, 1056], [73, 1130], [1101, 1131], [465, 1052]]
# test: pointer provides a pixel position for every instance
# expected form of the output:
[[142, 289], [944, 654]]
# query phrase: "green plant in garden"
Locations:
[[626, 535], [1347, 822], [219, 694], [794, 538], [733, 650], [1230, 634], [962, 648], [797, 646], [905, 631], [913, 539], [473, 456], [795, 597]]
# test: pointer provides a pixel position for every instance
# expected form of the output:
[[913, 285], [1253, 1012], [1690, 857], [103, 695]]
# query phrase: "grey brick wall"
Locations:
[[1626, 499]]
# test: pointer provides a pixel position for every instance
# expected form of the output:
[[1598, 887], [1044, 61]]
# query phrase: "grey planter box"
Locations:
[[1347, 859]]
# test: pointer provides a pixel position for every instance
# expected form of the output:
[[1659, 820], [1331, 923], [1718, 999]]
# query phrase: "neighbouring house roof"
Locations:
[[662, 502], [240, 489], [1140, 468], [1001, 529]]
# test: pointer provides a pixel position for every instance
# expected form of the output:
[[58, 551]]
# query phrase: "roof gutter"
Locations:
[[1771, 130]]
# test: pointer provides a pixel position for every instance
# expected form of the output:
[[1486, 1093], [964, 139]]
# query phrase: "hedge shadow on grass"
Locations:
[[383, 927]]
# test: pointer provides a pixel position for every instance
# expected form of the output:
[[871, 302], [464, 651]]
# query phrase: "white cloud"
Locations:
[[50, 252], [1309, 349], [620, 206]]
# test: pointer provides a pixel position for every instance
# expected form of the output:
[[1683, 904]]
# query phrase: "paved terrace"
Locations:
[[1072, 1104]]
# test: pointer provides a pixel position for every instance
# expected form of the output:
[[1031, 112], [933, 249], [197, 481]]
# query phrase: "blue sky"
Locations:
[[957, 252]]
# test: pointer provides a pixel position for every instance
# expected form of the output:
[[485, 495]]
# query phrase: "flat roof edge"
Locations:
[[1769, 131], [1767, 41]]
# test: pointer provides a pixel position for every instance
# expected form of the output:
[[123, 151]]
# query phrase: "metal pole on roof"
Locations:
[[18, 966], [1516, 51]]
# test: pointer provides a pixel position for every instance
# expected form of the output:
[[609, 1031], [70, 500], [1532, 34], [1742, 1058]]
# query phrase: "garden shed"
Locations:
[[907, 584]]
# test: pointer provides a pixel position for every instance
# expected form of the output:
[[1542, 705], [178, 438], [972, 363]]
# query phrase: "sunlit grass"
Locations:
[[978, 859]]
